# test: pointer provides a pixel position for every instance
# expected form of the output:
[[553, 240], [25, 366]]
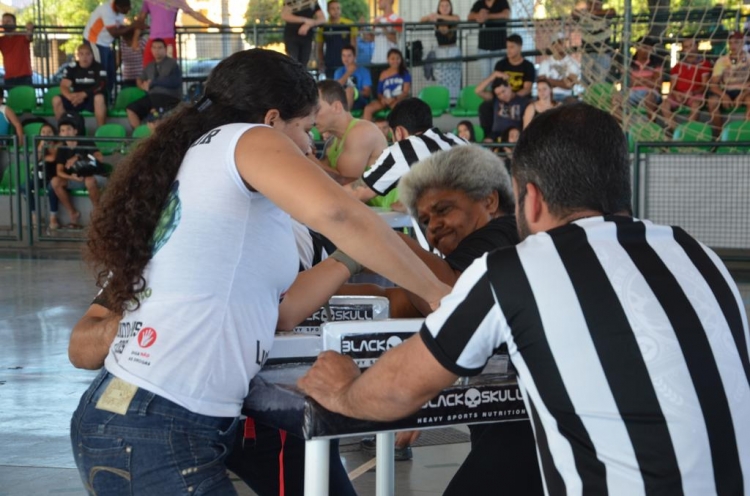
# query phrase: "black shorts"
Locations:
[[143, 106], [87, 104], [733, 94]]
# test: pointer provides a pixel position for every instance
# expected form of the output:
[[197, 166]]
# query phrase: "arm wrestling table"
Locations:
[[273, 399]]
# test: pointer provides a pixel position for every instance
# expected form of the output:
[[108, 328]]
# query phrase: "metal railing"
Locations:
[[196, 44], [10, 187]]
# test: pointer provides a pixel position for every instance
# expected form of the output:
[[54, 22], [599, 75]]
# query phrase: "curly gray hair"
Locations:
[[472, 169]]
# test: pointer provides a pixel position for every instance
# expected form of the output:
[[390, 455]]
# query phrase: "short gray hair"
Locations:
[[472, 169]]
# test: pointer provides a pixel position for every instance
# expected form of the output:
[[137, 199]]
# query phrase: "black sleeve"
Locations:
[[497, 234], [477, 6], [502, 5], [529, 73], [501, 65]]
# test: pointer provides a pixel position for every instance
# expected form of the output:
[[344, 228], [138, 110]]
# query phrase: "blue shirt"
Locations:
[[393, 86], [364, 51], [359, 79]]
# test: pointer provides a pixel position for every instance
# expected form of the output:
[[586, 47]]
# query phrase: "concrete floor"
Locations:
[[41, 297]]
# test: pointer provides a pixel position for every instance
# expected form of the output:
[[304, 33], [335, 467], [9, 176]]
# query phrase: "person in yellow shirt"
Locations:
[[332, 37]]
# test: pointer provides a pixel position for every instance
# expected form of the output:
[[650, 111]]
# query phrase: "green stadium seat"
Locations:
[[733, 132], [315, 134], [142, 131], [468, 103], [46, 110], [357, 113], [644, 131], [29, 131], [437, 97], [125, 97], [599, 95], [693, 131], [21, 99], [382, 114], [110, 131]]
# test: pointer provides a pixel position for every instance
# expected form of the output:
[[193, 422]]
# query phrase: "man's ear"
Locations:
[[272, 118], [400, 133], [534, 205]]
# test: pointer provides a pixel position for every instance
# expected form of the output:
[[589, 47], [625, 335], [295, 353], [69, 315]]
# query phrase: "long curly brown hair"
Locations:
[[242, 88]]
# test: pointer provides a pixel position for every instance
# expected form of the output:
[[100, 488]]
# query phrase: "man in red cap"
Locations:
[[730, 82]]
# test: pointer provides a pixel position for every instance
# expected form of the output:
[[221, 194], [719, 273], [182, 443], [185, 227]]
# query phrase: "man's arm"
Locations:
[[481, 88], [400, 382], [92, 336], [197, 15], [407, 376], [526, 90]]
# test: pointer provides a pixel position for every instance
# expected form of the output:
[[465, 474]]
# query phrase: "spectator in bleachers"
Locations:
[[82, 87], [354, 144], [163, 15], [356, 80], [394, 85], [15, 47], [514, 68], [131, 59], [106, 23], [331, 39], [507, 106], [543, 102], [730, 82], [645, 81], [299, 29], [385, 38], [47, 169], [8, 119], [162, 79], [688, 83], [70, 174], [491, 16], [596, 34], [465, 131], [561, 71], [365, 45], [448, 73]]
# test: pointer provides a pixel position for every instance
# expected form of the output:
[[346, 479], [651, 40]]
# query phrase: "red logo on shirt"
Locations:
[[146, 337]]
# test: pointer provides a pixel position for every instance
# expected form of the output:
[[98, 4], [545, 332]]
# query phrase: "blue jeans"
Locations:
[[156, 448]]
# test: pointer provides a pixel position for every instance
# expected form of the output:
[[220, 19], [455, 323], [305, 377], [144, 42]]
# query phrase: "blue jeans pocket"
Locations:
[[200, 456], [104, 463]]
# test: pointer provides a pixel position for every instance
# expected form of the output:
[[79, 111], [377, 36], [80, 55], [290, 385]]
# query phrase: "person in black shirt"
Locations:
[[517, 71], [462, 198], [82, 87], [298, 31], [491, 16], [78, 167]]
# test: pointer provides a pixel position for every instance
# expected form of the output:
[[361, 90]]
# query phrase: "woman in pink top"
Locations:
[[163, 16]]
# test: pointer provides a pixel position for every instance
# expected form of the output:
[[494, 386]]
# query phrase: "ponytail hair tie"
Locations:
[[203, 103]]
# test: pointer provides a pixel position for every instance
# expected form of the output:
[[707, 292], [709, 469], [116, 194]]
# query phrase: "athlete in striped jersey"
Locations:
[[416, 139], [630, 339]]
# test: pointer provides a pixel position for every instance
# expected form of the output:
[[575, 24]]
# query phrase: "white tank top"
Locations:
[[223, 258]]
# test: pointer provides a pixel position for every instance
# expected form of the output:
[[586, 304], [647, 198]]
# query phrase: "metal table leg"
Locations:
[[317, 460], [385, 484]]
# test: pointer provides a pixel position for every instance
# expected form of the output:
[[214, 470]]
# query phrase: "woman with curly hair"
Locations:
[[193, 241]]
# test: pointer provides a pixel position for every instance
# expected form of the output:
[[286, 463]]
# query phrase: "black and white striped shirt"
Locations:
[[631, 345], [396, 160]]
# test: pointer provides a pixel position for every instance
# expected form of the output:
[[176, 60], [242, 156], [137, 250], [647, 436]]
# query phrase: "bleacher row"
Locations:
[[23, 99]]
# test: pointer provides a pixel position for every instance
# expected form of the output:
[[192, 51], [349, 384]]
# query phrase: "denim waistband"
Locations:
[[145, 402]]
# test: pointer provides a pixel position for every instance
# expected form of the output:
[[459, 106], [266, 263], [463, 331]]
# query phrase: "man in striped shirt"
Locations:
[[416, 139], [630, 339]]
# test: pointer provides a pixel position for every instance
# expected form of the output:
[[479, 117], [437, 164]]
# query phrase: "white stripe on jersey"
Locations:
[[571, 344]]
